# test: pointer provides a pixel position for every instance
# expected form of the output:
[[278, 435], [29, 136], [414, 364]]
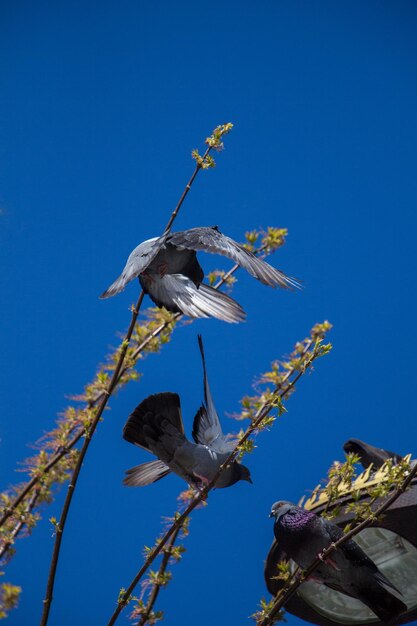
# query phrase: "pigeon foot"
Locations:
[[328, 560]]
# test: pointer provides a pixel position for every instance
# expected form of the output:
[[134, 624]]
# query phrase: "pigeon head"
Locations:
[[370, 454], [353, 445], [232, 474], [280, 508], [244, 473]]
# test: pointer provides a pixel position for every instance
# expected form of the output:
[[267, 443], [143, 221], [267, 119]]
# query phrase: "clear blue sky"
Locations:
[[101, 105]]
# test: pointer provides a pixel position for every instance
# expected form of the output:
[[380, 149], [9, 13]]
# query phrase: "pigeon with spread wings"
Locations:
[[169, 272], [156, 425]]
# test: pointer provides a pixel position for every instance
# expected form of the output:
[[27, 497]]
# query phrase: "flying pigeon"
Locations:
[[303, 535], [369, 454], [156, 425], [168, 270]]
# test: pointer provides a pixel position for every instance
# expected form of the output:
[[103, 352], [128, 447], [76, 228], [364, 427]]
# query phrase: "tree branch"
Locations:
[[19, 525], [160, 576], [60, 527], [213, 142], [283, 388], [63, 450]]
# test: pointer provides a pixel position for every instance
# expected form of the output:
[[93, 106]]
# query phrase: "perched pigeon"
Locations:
[[156, 425], [369, 454], [303, 535], [168, 270]]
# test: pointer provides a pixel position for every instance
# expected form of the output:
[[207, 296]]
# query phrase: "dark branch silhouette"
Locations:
[[60, 526]]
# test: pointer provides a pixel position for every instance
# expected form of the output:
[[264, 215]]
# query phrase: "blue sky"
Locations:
[[102, 103]]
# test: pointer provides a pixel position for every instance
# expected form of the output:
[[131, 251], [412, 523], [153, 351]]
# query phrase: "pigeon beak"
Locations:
[[271, 514], [250, 480]]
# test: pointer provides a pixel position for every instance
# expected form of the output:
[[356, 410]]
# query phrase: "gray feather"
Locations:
[[166, 404], [212, 240], [170, 273], [206, 428], [156, 425], [139, 259], [179, 294], [146, 473]]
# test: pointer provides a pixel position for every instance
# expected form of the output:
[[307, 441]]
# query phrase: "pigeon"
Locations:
[[169, 272], [303, 535], [369, 454], [156, 425]]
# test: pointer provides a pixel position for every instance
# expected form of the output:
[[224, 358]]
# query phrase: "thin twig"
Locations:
[[10, 509], [262, 412], [60, 527], [288, 591], [157, 585], [19, 525]]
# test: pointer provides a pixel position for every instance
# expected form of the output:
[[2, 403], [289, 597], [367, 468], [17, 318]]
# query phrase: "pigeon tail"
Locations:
[[383, 603], [178, 294], [149, 413], [215, 303], [146, 473]]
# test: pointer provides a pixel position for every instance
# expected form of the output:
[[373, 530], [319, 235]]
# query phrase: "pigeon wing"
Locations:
[[354, 553], [210, 239], [206, 428], [378, 597], [206, 433], [137, 263], [350, 549]]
